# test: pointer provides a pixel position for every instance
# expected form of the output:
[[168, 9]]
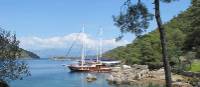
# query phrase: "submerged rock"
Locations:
[[91, 78]]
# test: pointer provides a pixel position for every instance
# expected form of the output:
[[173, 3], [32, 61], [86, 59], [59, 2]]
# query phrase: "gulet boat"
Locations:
[[95, 66]]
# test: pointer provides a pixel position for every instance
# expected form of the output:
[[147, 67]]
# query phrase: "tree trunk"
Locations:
[[3, 84], [163, 44]]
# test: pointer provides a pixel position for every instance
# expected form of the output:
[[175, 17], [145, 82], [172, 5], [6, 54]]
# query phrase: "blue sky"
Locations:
[[46, 19]]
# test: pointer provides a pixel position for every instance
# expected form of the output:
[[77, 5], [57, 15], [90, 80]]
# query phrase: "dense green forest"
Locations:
[[183, 41]]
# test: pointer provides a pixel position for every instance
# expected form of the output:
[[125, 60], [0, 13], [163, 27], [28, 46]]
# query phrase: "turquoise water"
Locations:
[[50, 73]]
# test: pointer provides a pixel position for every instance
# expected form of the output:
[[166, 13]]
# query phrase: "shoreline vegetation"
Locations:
[[195, 66]]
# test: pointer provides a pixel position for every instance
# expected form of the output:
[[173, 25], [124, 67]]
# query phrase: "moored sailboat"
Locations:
[[95, 66]]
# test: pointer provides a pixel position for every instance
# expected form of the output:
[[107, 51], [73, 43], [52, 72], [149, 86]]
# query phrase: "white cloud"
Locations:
[[35, 43]]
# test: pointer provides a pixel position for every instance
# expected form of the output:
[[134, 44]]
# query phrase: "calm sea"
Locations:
[[50, 73]]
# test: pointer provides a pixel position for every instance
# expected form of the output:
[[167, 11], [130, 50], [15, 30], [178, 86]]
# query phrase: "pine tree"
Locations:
[[10, 67]]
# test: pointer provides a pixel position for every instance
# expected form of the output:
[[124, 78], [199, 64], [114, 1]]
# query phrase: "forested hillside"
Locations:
[[181, 39], [28, 54]]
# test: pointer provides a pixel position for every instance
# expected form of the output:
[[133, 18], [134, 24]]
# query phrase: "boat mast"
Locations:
[[100, 42], [83, 47], [97, 49]]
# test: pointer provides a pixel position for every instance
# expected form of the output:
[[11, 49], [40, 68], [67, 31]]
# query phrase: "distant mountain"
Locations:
[[48, 53], [28, 54]]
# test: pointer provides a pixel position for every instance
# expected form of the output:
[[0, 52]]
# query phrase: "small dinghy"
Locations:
[[64, 65]]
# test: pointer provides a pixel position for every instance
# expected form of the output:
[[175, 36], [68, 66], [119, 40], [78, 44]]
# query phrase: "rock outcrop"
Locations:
[[181, 84], [140, 74]]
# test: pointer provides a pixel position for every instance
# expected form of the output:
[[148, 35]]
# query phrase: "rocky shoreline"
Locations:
[[141, 75]]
